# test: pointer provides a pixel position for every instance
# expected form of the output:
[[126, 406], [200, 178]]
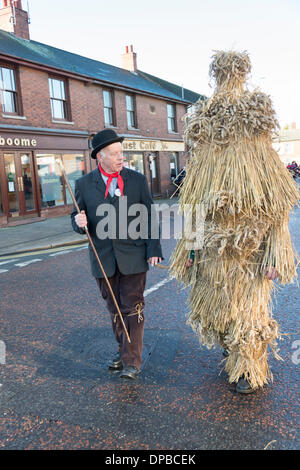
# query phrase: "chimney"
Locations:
[[14, 19], [129, 60]]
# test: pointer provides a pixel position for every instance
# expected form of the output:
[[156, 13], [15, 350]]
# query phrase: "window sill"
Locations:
[[108, 126], [12, 116], [132, 128], [173, 132], [63, 122]]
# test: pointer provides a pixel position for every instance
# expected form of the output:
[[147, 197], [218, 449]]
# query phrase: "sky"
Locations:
[[175, 39]]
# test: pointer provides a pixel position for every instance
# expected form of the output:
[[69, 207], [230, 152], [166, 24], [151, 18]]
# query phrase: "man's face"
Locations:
[[112, 158]]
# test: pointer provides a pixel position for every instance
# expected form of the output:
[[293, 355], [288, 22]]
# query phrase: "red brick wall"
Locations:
[[35, 98], [21, 29], [86, 113], [86, 104]]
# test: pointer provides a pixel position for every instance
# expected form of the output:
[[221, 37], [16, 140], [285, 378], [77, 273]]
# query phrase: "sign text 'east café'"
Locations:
[[17, 142], [155, 145]]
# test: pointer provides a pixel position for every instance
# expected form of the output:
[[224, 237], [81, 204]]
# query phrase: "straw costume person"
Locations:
[[246, 194]]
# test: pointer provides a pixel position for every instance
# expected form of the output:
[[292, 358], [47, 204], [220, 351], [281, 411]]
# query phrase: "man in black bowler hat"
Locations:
[[124, 259]]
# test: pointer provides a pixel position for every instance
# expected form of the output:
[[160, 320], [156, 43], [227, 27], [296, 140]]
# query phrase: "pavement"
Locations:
[[46, 234]]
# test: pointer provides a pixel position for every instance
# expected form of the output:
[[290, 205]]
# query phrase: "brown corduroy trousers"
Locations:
[[129, 293]]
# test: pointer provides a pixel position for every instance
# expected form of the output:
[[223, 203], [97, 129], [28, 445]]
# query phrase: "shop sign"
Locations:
[[17, 142], [153, 145]]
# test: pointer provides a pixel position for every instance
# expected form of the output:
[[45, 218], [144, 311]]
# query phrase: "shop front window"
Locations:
[[27, 182], [74, 166], [12, 183], [51, 184], [134, 161], [173, 165]]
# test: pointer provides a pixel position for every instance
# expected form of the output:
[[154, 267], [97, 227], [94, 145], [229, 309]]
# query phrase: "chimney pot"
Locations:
[[19, 27], [17, 3], [129, 59]]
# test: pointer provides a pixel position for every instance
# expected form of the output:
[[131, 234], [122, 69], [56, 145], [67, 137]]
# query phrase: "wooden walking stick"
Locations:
[[59, 162], [180, 184]]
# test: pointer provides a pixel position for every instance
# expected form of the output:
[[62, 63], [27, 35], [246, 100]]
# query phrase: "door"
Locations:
[[20, 187], [153, 161]]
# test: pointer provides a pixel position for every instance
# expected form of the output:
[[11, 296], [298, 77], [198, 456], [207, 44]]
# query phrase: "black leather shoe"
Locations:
[[225, 353], [116, 362], [243, 386], [130, 372]]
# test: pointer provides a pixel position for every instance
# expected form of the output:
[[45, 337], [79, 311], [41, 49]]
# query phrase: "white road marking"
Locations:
[[10, 261], [21, 265], [41, 252], [60, 253], [3, 271], [157, 286]]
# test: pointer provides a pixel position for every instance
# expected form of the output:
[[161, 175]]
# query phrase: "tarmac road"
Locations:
[[56, 392]]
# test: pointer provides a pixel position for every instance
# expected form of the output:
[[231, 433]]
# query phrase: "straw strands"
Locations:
[[247, 195], [228, 116], [230, 69]]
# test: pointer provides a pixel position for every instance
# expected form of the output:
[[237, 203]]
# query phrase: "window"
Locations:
[[289, 148], [130, 108], [58, 99], [74, 166], [173, 165], [8, 90], [108, 108], [171, 111], [134, 161], [52, 186]]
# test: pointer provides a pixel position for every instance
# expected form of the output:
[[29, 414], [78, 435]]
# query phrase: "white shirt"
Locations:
[[113, 185]]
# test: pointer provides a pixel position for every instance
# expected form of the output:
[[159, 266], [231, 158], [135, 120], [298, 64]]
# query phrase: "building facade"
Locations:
[[287, 144], [53, 102]]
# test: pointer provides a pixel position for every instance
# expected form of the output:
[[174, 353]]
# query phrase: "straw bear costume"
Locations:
[[246, 194]]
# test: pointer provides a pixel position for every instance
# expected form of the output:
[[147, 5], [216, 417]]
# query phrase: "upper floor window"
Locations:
[[8, 90], [108, 103], [171, 112], [58, 99], [131, 113]]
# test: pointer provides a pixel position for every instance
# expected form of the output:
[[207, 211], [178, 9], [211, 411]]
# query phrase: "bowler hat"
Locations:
[[103, 139]]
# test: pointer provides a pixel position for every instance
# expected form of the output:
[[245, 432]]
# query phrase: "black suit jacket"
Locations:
[[130, 254]]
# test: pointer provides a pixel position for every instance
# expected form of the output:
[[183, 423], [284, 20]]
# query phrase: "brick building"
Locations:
[[287, 144], [53, 101]]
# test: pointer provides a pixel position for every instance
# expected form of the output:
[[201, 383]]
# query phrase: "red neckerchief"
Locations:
[[110, 177]]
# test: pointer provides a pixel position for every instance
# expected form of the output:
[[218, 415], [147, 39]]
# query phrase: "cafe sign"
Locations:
[[153, 145], [17, 142]]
